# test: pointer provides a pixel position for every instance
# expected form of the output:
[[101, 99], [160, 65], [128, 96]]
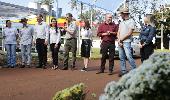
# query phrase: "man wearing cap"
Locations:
[[107, 33], [25, 34], [124, 35], [41, 36]]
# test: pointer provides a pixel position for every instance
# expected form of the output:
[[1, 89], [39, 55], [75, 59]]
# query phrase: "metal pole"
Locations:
[[162, 26], [91, 17], [57, 8], [92, 6], [79, 29], [169, 41]]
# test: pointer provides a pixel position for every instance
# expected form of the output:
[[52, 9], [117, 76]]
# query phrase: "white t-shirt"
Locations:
[[54, 37], [86, 34], [124, 28], [41, 31], [9, 35]]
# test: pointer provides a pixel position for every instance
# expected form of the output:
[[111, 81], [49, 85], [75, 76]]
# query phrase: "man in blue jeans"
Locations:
[[125, 31]]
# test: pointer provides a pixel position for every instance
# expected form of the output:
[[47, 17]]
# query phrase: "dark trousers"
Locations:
[[42, 51], [55, 53], [70, 45], [146, 51], [107, 50]]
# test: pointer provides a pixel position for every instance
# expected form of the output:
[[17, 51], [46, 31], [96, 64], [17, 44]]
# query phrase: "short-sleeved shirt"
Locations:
[[72, 27], [124, 28], [26, 34], [103, 28], [86, 33], [9, 35]]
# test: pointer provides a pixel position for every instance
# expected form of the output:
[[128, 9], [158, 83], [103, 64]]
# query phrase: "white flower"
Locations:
[[148, 77]]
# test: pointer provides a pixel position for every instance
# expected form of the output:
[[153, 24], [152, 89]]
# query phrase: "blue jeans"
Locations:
[[126, 51], [26, 54], [11, 54]]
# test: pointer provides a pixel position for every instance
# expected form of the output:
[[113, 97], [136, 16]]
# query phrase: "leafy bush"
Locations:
[[150, 81], [73, 93]]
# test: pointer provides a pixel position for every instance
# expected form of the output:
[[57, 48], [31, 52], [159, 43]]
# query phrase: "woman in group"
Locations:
[[25, 34], [86, 35], [55, 38], [146, 36], [10, 36]]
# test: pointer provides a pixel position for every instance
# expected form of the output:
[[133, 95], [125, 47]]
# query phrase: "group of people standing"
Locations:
[[42, 34], [109, 33]]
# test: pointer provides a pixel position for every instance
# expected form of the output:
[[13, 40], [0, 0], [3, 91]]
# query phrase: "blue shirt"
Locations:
[[147, 34]]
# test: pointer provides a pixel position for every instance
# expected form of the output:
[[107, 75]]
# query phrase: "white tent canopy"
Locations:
[[15, 11]]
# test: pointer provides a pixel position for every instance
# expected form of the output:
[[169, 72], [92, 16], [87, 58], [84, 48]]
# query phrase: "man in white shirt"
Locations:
[[41, 36], [125, 31]]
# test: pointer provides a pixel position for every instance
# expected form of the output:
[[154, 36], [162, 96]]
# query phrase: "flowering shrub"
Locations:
[[72, 93], [150, 81]]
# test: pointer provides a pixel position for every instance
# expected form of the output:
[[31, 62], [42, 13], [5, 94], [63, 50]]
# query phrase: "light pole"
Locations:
[[91, 17], [162, 26], [56, 2]]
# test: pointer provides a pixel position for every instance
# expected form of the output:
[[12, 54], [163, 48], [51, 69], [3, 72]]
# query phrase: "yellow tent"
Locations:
[[33, 21]]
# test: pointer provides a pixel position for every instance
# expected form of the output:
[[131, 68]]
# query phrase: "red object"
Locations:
[[103, 28]]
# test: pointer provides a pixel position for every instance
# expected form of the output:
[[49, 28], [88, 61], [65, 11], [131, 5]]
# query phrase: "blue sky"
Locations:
[[64, 4]]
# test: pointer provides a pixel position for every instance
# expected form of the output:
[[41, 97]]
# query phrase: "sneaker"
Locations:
[[56, 67], [84, 69], [64, 68], [100, 72], [110, 73]]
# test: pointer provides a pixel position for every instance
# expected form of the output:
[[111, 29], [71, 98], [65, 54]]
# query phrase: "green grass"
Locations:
[[95, 54], [164, 50]]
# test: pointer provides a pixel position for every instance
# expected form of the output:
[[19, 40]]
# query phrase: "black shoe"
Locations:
[[29, 66], [12, 66], [110, 73], [44, 64], [84, 69], [64, 68], [8, 66], [39, 66], [73, 67], [22, 66], [44, 67], [99, 72]]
